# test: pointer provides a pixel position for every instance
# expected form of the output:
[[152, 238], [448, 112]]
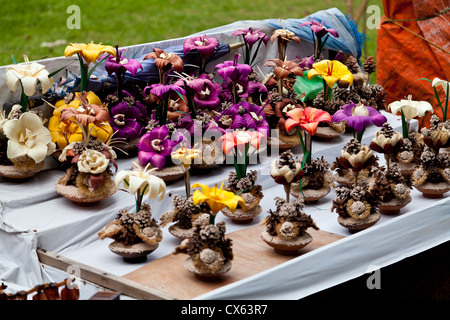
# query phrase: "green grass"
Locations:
[[28, 23]]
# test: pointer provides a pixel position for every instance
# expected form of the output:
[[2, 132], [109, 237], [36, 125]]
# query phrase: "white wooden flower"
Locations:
[[438, 82], [410, 108], [28, 73], [92, 161], [27, 136], [361, 157], [141, 181]]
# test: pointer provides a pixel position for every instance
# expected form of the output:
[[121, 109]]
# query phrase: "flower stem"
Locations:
[[355, 174], [287, 189], [326, 91], [387, 157], [212, 218], [405, 125], [83, 74], [187, 182], [23, 99]]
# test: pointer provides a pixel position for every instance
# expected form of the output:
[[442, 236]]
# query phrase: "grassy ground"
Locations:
[[26, 24]]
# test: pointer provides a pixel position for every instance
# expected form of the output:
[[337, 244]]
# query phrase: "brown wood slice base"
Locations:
[[251, 256]]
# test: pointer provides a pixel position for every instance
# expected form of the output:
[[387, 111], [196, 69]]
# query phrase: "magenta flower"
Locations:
[[205, 93], [251, 36], [204, 45], [233, 70], [156, 146], [244, 115], [124, 121], [162, 91], [306, 63], [120, 65], [359, 117], [244, 89], [319, 29], [198, 128]]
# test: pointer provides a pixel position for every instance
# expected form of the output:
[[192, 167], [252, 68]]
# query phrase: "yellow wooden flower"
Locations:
[[89, 52], [217, 198], [66, 132], [331, 72], [185, 156]]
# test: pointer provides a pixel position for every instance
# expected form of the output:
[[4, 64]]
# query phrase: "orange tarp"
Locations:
[[403, 57]]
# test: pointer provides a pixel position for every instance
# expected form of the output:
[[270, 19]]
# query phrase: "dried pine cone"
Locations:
[[369, 65], [352, 64]]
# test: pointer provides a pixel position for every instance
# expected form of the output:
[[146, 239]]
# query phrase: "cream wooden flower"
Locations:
[[410, 108], [92, 161], [382, 140], [141, 180], [27, 136], [28, 73], [438, 82], [357, 158]]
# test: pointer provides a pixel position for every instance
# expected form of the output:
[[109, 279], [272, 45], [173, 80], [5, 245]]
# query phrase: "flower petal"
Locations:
[[29, 85]]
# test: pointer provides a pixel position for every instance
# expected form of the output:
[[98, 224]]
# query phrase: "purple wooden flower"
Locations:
[[245, 89], [306, 63], [197, 129], [319, 28], [206, 93], [359, 116], [233, 70], [251, 36], [204, 45], [155, 146], [162, 91], [244, 115], [119, 65], [124, 120]]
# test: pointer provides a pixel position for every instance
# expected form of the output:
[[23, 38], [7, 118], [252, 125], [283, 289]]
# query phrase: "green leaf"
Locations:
[[309, 87], [426, 80], [96, 65], [55, 72]]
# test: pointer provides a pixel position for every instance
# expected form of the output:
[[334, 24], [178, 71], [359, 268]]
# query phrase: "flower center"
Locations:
[[243, 137], [255, 116], [119, 119], [173, 104], [201, 43], [27, 138], [205, 93], [288, 108], [226, 120], [360, 110], [330, 68], [156, 144]]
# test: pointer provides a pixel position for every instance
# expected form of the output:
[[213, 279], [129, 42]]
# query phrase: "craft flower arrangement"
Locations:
[[136, 234], [88, 178], [241, 145], [24, 140], [317, 179], [210, 253]]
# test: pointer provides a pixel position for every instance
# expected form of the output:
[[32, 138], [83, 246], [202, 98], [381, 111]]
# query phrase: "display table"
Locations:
[[35, 217], [45, 237]]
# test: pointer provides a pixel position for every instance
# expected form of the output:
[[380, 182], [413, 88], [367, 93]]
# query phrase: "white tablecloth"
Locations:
[[35, 216]]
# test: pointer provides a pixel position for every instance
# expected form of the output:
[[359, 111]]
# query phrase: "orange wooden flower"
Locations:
[[307, 118]]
